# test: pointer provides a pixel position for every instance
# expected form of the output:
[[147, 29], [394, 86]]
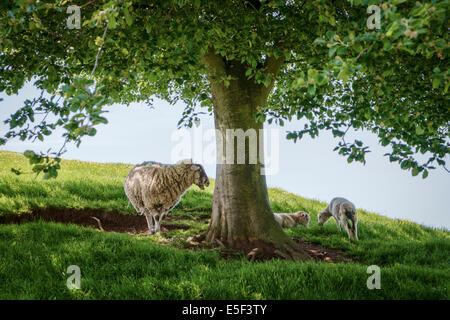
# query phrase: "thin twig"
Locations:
[[99, 50], [99, 223], [345, 132], [60, 150], [362, 51], [86, 4]]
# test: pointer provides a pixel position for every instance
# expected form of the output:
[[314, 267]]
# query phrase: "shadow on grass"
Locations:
[[35, 257]]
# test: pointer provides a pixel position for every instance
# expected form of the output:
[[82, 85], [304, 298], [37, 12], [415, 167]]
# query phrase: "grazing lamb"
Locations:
[[343, 212], [154, 188], [289, 220]]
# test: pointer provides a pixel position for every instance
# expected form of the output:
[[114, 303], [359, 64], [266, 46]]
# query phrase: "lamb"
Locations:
[[155, 188], [343, 212], [289, 220]]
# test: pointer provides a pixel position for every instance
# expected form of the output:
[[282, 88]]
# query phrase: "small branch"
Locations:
[[345, 132], [99, 50], [99, 223], [273, 66], [60, 150], [211, 59], [86, 4], [362, 51]]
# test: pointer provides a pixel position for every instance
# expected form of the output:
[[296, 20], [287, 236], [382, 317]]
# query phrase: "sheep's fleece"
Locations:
[[289, 220], [154, 188], [344, 212]]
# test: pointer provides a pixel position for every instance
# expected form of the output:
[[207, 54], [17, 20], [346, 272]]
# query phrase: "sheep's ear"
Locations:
[[195, 167]]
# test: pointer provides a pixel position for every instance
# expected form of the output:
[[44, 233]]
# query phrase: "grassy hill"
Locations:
[[34, 256]]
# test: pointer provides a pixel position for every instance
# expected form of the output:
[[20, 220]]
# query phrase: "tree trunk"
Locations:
[[241, 215]]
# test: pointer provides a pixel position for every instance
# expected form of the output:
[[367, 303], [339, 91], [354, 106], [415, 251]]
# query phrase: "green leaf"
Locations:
[[128, 18], [405, 165], [436, 83], [332, 51], [311, 90], [419, 130], [337, 133], [92, 132], [111, 22]]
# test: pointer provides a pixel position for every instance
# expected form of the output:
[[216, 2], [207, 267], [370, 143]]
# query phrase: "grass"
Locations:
[[414, 260]]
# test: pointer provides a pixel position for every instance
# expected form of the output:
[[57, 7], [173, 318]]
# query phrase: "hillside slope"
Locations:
[[414, 260]]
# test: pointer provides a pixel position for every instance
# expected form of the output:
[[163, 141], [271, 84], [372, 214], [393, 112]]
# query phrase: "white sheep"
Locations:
[[344, 212], [154, 188], [289, 220]]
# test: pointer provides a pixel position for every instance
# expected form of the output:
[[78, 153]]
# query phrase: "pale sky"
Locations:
[[308, 168]]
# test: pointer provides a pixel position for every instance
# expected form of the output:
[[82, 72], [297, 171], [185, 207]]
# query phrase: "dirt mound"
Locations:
[[108, 221]]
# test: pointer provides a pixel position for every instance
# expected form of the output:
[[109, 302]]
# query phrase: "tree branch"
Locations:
[[213, 62], [273, 66]]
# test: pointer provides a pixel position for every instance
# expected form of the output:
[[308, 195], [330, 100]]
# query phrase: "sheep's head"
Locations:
[[201, 179], [301, 218], [322, 218]]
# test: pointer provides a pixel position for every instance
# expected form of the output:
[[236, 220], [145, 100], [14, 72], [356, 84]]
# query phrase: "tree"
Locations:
[[246, 61]]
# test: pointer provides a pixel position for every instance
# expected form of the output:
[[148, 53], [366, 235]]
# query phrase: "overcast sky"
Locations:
[[308, 168]]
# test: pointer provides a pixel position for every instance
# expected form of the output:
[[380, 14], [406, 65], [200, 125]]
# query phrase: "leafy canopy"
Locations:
[[337, 73]]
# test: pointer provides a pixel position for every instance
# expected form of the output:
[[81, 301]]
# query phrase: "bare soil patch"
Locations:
[[268, 251], [321, 253], [110, 221]]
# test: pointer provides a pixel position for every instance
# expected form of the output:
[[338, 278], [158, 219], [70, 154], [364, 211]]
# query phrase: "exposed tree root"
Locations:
[[260, 250]]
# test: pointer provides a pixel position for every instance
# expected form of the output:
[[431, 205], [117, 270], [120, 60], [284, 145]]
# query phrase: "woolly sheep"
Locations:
[[343, 212], [154, 188], [289, 220]]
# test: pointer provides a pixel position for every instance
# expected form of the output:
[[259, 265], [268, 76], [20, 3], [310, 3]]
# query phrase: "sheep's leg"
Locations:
[[342, 218], [159, 219], [149, 218], [338, 223], [355, 229], [157, 223], [346, 228]]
